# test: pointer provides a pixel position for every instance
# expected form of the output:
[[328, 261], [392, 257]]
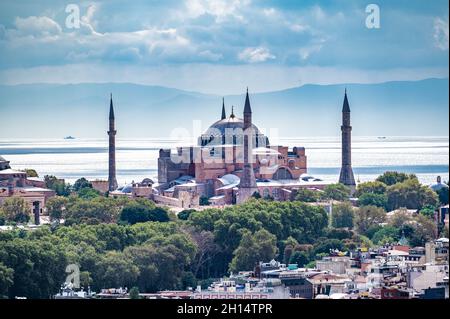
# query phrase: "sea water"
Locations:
[[136, 159]]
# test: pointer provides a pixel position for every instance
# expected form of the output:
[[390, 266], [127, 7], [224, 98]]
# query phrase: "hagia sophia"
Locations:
[[232, 162]]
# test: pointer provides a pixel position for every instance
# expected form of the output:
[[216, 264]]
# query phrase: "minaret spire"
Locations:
[[247, 107], [247, 185], [232, 112], [111, 108], [346, 177], [345, 106], [224, 116], [112, 181]]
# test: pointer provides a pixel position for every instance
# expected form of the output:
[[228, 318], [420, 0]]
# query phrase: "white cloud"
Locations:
[[228, 32], [36, 26], [318, 13], [255, 55], [296, 27], [210, 56], [221, 9], [269, 12], [441, 34], [306, 51], [87, 45]]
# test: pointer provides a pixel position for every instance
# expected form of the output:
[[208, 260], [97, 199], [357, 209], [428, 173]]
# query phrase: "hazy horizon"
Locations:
[[405, 108], [191, 53]]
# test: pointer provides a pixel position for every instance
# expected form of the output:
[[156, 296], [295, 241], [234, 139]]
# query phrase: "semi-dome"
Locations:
[[229, 179]]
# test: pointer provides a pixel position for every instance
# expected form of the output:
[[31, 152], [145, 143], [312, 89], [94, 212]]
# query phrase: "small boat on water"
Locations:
[[381, 137], [69, 138]]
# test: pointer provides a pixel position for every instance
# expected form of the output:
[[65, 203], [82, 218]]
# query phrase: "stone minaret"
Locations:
[[346, 177], [247, 186], [224, 115], [112, 181]]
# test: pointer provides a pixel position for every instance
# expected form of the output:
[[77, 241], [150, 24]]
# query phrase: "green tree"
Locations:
[[16, 210], [337, 191], [143, 210], [301, 221], [307, 195], [85, 279], [289, 244], [95, 211], [424, 229], [375, 187], [339, 233], [204, 201], [428, 211], [372, 199], [116, 270], [206, 251], [391, 177], [58, 185], [188, 280], [134, 293], [55, 207], [81, 183], [324, 246], [260, 246], [88, 193], [184, 214], [368, 216], [372, 230], [161, 261], [2, 217], [387, 234], [6, 280], [342, 215], [410, 194], [39, 267], [301, 258], [31, 172]]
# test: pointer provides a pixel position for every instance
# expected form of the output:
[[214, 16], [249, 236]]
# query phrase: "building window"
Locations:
[[282, 173], [276, 193]]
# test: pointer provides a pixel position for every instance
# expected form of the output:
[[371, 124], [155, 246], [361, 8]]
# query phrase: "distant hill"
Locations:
[[81, 110]]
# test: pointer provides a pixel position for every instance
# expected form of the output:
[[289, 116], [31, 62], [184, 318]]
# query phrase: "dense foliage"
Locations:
[[134, 243], [343, 215], [154, 255]]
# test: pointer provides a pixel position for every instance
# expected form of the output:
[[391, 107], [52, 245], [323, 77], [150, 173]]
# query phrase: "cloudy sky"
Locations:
[[219, 46]]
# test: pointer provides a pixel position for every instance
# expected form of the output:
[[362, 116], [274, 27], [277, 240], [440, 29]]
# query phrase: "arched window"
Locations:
[[282, 173]]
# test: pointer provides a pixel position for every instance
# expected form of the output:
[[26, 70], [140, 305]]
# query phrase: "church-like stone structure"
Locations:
[[232, 162]]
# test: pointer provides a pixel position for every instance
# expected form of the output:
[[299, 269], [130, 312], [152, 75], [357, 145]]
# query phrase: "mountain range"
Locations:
[[406, 108]]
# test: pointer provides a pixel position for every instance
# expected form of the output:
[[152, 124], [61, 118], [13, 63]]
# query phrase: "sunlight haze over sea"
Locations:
[[427, 157]]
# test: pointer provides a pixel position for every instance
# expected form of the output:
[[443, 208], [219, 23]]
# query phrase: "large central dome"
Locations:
[[229, 131]]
